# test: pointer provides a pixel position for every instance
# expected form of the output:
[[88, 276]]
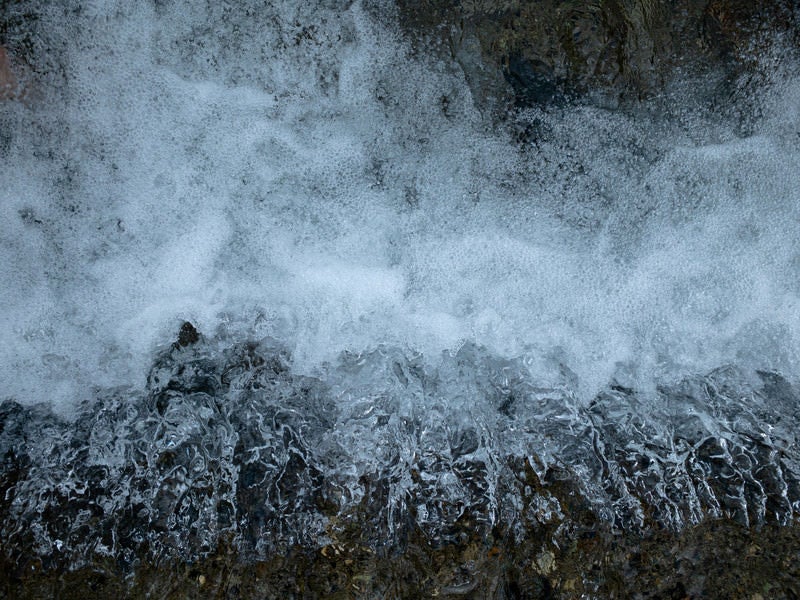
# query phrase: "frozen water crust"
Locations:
[[452, 301]]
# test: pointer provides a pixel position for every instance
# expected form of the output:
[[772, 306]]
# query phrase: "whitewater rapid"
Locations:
[[295, 170], [269, 270]]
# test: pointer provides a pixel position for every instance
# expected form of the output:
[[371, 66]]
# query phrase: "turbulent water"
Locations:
[[397, 297]]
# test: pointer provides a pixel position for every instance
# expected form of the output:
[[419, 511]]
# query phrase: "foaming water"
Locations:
[[293, 170], [398, 317]]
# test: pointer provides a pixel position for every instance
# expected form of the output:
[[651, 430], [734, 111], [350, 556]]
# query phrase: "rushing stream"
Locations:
[[393, 299]]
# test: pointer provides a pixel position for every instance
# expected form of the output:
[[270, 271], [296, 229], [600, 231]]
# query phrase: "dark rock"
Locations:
[[605, 51], [188, 335]]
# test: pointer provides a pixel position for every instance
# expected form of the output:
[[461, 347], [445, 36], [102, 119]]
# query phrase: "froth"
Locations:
[[322, 185]]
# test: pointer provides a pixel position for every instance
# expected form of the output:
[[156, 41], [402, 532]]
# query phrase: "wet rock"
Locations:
[[601, 51], [9, 87], [369, 480], [188, 335], [25, 51]]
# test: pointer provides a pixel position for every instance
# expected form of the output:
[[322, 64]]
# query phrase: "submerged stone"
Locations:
[[236, 474]]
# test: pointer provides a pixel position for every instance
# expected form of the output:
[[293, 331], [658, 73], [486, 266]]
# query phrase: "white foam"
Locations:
[[311, 177]]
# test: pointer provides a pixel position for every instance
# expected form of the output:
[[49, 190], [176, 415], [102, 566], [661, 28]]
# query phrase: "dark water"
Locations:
[[233, 444]]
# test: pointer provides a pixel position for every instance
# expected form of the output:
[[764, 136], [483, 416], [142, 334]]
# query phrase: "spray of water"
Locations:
[[294, 162]]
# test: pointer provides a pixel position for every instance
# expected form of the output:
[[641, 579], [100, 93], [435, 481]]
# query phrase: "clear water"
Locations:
[[289, 171]]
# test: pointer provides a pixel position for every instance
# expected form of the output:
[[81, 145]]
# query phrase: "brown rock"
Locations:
[[8, 81]]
